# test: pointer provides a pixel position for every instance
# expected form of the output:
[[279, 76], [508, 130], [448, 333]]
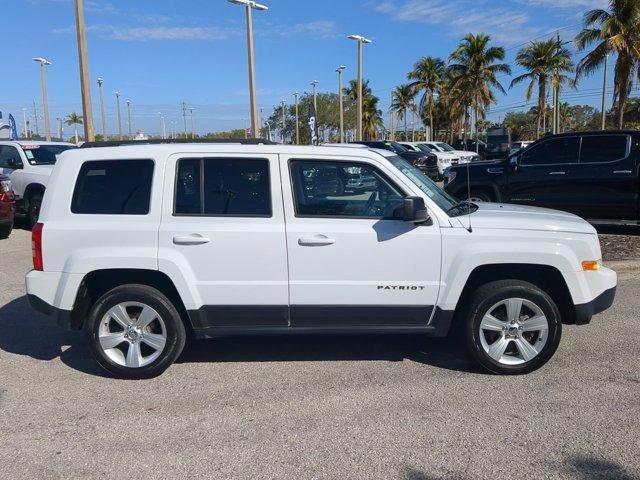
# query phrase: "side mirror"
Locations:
[[414, 210], [514, 163]]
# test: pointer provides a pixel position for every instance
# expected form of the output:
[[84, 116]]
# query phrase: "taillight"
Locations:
[[36, 246], [6, 193]]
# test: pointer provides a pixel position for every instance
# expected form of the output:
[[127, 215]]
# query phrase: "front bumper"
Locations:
[[599, 304]]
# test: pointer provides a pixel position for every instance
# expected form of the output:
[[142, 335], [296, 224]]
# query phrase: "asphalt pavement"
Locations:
[[316, 407]]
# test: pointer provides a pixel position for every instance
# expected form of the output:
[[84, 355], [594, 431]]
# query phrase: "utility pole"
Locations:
[[87, 109], [340, 69], [129, 118], [361, 41], [184, 118], [295, 95], [284, 120], [163, 129], [604, 93], [35, 118], [117, 94], [45, 103], [193, 130], [102, 115], [24, 123], [250, 5]]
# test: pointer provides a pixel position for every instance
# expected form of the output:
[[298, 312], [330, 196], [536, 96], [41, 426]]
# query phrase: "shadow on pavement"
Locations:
[[26, 332], [577, 467]]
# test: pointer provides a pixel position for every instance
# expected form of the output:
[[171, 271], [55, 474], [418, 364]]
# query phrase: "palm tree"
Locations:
[[475, 62], [615, 31], [403, 97], [545, 62], [427, 75], [74, 119], [371, 115]]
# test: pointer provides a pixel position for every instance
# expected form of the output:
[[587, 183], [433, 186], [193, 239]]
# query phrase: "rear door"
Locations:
[[607, 178], [545, 175], [352, 263], [223, 231]]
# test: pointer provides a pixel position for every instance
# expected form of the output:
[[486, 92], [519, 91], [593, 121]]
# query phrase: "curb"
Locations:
[[623, 266]]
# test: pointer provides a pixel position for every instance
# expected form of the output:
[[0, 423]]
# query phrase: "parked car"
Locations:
[[427, 162], [591, 174], [137, 244], [28, 164], [465, 156], [470, 147], [7, 206], [445, 159], [517, 146]]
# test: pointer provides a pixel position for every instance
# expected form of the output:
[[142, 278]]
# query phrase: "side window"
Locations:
[[223, 187], [343, 189], [605, 148], [9, 157], [113, 187], [554, 151]]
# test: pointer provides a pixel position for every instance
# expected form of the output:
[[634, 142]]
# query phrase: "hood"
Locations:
[[465, 153], [41, 169], [520, 217]]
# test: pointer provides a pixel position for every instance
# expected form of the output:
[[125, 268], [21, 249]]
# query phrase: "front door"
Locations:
[[352, 262], [223, 230], [546, 175]]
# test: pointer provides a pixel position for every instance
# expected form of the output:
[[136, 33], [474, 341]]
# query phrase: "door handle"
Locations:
[[557, 173], [622, 171], [316, 241], [193, 239]]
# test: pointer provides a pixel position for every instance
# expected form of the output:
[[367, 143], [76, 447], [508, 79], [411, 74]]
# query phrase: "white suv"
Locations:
[[140, 244], [28, 164]]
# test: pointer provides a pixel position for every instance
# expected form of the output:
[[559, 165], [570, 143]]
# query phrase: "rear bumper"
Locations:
[[61, 317], [585, 311]]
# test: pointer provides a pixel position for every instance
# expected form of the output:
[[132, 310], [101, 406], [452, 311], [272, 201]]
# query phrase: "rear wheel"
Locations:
[[135, 332], [33, 210], [512, 327], [480, 196]]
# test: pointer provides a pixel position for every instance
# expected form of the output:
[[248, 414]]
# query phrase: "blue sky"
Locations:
[[159, 53]]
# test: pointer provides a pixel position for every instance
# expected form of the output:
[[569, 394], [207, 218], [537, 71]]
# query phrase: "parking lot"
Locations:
[[316, 407]]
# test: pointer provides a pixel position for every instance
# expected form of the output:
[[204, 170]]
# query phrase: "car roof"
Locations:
[[24, 143]]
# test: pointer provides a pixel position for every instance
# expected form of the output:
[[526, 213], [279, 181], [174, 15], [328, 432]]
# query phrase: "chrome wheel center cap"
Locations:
[[133, 333], [511, 330]]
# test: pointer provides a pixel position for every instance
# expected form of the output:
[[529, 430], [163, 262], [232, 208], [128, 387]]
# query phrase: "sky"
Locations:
[[159, 53]]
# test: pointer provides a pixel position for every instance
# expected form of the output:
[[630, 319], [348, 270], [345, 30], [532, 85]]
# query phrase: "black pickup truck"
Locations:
[[592, 174]]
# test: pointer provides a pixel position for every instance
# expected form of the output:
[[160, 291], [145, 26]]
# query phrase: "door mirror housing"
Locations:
[[414, 210], [514, 163]]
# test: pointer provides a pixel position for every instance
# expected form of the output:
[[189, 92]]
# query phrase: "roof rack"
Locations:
[[120, 143]]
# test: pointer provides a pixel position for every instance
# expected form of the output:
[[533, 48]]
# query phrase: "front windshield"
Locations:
[[423, 148], [445, 147], [396, 147], [44, 154], [424, 183]]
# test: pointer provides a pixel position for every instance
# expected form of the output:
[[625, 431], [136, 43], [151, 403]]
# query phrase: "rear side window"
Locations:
[[555, 151], [113, 187], [223, 187], [608, 148]]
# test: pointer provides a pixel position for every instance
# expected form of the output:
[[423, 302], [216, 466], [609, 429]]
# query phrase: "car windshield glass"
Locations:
[[44, 154], [423, 148], [396, 147], [445, 147], [424, 183]]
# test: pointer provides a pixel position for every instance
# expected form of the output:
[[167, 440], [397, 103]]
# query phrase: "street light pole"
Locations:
[[129, 117], [24, 123], [35, 118], [87, 109], [163, 129], [184, 118], [361, 41], [253, 98], [193, 130], [117, 94], [45, 104], [102, 115], [284, 120], [340, 69], [604, 93], [295, 95]]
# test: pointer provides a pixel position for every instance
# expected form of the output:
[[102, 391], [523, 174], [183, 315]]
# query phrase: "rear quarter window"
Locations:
[[607, 148], [113, 187]]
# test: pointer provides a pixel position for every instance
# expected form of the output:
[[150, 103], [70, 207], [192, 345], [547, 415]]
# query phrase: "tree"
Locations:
[[616, 31], [371, 115], [74, 119], [403, 97], [427, 75], [475, 62], [544, 62]]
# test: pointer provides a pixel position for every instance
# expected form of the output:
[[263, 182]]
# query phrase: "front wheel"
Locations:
[[480, 196], [512, 327], [135, 332]]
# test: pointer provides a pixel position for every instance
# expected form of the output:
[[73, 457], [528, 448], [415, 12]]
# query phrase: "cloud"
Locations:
[[566, 4], [317, 28], [142, 34], [507, 26]]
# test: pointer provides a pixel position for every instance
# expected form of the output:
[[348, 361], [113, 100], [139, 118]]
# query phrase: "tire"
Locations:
[[33, 210], [525, 346], [5, 231], [153, 347], [480, 196]]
